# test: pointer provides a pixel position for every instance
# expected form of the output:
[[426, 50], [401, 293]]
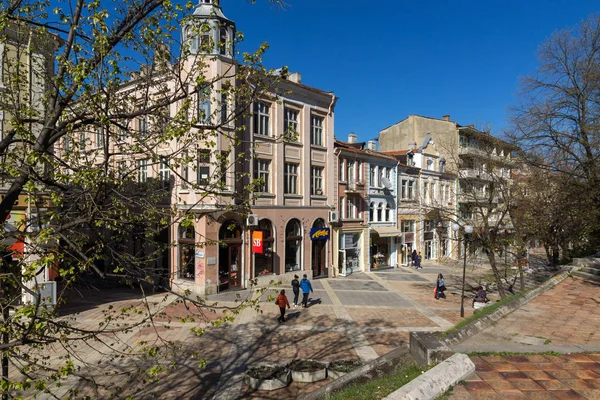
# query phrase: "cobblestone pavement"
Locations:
[[540, 376]]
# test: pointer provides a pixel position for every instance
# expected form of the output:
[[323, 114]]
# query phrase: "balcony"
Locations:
[[471, 173], [477, 198]]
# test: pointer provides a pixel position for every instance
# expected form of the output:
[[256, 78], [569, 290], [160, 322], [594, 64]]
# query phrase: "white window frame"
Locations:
[[142, 170], [203, 167], [316, 130], [291, 178], [316, 178], [164, 171], [290, 123], [262, 119], [262, 168]]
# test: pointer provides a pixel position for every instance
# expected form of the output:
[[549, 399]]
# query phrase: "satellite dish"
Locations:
[[386, 182]]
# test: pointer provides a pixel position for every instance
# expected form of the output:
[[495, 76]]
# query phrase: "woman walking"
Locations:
[[440, 287]]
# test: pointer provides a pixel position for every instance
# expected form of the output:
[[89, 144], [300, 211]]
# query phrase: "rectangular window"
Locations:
[[223, 167], [99, 137], [204, 106], [203, 177], [316, 178], [290, 124], [121, 170], [426, 192], [82, 140], [342, 170], [261, 119], [407, 226], [352, 211], [142, 170], [164, 172], [143, 126], [261, 171], [224, 116], [359, 174], [350, 171], [66, 143], [291, 179], [316, 130], [123, 132]]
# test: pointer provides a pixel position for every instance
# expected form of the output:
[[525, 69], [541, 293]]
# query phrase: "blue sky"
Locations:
[[386, 60]]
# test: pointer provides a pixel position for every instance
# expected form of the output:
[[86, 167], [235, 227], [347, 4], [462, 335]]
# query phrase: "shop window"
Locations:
[[187, 252], [293, 245], [263, 263]]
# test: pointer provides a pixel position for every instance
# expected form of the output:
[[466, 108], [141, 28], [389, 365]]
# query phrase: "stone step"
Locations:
[[585, 275], [591, 270]]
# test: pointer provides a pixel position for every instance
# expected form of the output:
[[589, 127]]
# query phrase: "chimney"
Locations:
[[446, 118], [295, 77], [352, 137], [372, 145], [412, 145]]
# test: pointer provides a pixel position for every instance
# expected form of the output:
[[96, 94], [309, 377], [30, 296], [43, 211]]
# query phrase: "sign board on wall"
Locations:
[[319, 233], [257, 242]]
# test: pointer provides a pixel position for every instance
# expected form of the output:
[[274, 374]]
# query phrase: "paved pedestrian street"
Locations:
[[362, 316]]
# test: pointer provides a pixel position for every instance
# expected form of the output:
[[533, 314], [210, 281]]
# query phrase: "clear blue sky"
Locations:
[[388, 59]]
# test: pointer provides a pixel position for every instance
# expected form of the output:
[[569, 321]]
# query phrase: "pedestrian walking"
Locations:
[[296, 289], [413, 258], [418, 259], [440, 287], [306, 289], [282, 302]]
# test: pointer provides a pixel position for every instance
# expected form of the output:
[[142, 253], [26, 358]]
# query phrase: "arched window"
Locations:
[[380, 212], [263, 263], [293, 245], [387, 212], [371, 211], [187, 251]]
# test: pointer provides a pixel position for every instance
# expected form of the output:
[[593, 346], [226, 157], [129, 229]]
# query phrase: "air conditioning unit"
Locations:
[[252, 220], [334, 216]]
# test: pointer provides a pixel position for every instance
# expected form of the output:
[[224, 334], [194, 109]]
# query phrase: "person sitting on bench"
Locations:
[[480, 297]]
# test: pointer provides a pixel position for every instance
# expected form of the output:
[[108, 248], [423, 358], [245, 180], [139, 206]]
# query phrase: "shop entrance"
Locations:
[[230, 244], [319, 256]]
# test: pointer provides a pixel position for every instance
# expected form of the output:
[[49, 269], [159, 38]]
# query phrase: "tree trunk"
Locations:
[[497, 277]]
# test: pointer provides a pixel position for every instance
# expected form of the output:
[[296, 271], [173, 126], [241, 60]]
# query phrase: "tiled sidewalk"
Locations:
[[569, 376]]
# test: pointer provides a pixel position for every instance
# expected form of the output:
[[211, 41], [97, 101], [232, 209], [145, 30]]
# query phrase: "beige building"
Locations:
[[458, 168], [266, 175]]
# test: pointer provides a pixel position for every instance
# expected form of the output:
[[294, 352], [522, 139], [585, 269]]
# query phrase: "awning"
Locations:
[[387, 231]]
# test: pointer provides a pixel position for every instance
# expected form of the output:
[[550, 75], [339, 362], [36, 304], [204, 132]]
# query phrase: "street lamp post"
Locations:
[[467, 230]]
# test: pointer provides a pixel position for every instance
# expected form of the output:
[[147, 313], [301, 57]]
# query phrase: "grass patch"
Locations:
[[381, 387], [547, 341], [481, 313]]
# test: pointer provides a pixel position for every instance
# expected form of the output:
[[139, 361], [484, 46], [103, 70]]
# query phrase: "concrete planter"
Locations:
[[267, 377], [337, 369], [307, 370]]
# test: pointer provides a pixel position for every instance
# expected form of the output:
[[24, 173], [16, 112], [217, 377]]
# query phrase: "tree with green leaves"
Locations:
[[556, 124], [92, 94]]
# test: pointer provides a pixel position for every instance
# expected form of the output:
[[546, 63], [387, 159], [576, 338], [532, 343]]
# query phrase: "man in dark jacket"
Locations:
[[296, 289], [306, 288]]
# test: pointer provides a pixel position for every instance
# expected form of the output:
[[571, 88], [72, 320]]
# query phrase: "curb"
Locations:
[[437, 380], [427, 348]]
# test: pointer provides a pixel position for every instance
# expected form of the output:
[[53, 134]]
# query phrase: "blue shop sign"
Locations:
[[319, 233]]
